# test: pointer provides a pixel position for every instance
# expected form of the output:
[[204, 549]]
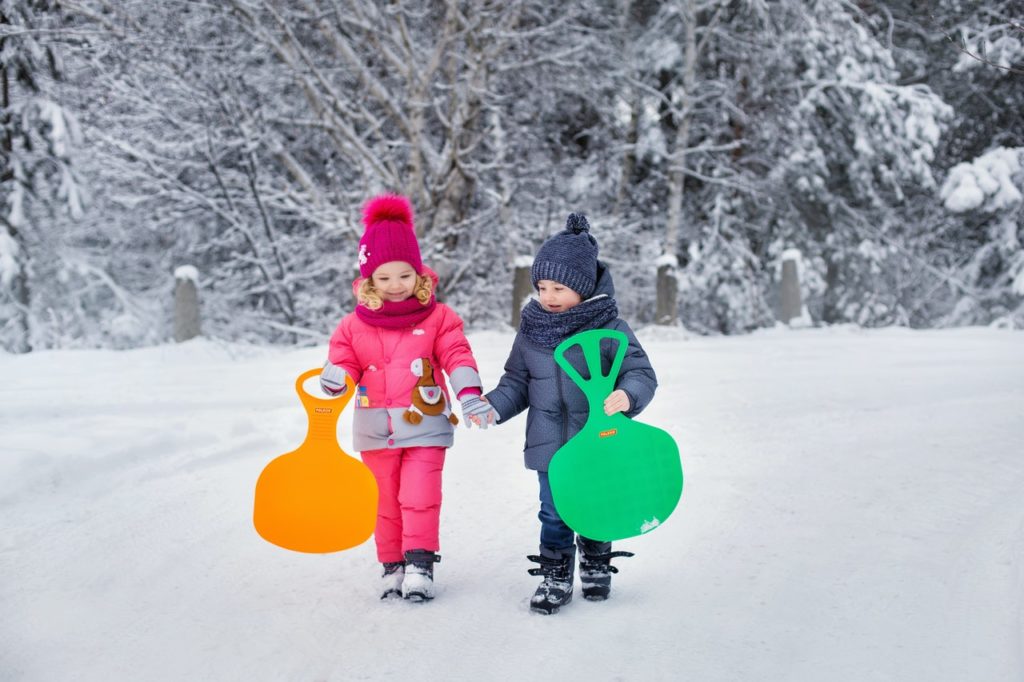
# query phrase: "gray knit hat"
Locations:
[[569, 257]]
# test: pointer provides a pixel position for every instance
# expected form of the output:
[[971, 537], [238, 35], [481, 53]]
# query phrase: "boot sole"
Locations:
[[417, 597], [391, 593], [545, 612]]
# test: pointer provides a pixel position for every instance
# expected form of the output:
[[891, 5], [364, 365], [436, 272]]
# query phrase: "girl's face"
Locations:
[[555, 297], [395, 280]]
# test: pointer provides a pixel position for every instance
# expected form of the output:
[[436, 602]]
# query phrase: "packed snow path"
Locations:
[[852, 511]]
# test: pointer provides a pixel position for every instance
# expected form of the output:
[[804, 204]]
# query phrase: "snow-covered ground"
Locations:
[[852, 511]]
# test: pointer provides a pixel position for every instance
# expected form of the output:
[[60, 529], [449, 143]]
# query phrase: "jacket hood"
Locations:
[[604, 281]]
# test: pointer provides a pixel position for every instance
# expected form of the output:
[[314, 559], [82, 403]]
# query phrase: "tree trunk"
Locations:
[[465, 107], [633, 132], [628, 158], [22, 301], [19, 285], [667, 289]]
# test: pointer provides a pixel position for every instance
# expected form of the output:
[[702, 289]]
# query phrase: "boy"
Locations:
[[575, 293]]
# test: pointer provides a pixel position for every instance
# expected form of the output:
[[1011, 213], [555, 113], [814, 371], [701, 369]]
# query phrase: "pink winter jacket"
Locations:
[[381, 363]]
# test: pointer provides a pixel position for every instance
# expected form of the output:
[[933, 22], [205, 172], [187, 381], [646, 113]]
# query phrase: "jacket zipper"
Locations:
[[562, 406]]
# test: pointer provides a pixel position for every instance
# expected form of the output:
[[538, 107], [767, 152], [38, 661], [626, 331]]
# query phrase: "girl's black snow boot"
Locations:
[[418, 584], [391, 579], [596, 568], [555, 591]]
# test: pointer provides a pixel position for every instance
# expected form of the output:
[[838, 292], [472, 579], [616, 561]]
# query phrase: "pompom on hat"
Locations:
[[389, 234], [569, 257]]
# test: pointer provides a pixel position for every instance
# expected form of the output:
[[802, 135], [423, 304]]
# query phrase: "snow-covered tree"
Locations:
[[857, 159], [989, 193], [971, 53], [249, 134], [242, 137], [37, 180]]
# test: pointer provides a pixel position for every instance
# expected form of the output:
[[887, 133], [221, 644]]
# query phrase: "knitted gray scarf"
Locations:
[[550, 329]]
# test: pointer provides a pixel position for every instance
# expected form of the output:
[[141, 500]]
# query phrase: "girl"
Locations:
[[394, 346], [575, 293]]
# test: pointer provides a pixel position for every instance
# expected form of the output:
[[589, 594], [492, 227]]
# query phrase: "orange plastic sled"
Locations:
[[316, 499]]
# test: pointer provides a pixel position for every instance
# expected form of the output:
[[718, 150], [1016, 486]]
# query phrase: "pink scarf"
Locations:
[[397, 314]]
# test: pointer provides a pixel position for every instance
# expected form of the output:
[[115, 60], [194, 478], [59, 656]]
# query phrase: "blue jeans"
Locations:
[[554, 534]]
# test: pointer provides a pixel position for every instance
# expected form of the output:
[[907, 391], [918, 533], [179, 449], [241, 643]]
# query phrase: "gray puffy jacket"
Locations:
[[558, 409]]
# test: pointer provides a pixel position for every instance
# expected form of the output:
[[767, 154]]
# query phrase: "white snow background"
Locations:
[[853, 510]]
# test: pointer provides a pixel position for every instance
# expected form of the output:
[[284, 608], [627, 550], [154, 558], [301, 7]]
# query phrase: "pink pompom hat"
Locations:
[[390, 234]]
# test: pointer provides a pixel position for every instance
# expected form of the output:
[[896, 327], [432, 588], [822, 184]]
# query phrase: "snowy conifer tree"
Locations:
[[858, 159], [243, 137], [36, 177]]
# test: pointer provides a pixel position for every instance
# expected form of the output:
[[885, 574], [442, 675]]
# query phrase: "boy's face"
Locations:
[[555, 297], [395, 280]]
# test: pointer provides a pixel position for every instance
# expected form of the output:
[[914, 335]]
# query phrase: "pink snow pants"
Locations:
[[409, 507]]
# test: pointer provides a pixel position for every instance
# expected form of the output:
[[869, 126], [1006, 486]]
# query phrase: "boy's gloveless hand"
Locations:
[[618, 401]]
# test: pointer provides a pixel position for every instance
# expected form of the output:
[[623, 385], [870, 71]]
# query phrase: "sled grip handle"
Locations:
[[323, 413], [599, 385]]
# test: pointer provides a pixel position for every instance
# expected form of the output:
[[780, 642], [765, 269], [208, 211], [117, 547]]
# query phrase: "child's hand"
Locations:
[[332, 379], [618, 401], [477, 410]]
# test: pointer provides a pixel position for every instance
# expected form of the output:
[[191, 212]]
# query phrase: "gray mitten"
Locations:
[[475, 406], [332, 379]]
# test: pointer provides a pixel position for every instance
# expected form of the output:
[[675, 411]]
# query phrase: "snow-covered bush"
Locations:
[[988, 193]]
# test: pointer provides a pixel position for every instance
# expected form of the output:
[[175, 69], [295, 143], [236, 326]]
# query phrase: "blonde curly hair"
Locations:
[[371, 298]]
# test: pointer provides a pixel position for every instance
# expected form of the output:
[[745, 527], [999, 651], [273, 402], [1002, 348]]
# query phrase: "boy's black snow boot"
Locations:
[[596, 568], [391, 579], [555, 591], [418, 584]]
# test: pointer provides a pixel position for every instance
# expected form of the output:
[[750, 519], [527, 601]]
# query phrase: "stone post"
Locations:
[[790, 304], [666, 311], [522, 287], [186, 303]]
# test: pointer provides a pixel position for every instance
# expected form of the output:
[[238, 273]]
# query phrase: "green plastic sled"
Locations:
[[617, 478]]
